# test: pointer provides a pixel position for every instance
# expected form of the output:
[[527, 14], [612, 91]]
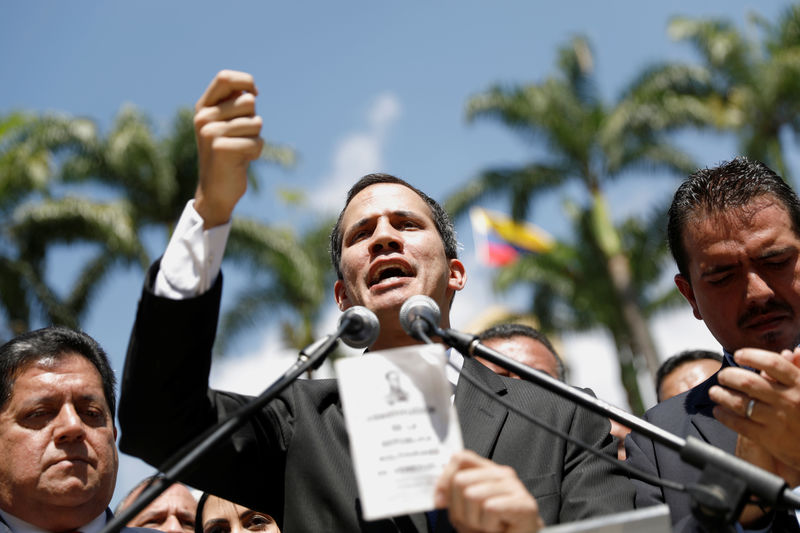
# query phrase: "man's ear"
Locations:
[[340, 293], [458, 275], [686, 289]]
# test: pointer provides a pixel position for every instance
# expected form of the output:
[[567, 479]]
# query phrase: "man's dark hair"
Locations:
[[509, 330], [716, 190], [52, 343], [677, 360], [444, 225]]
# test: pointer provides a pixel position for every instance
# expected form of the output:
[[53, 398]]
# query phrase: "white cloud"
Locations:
[[384, 112], [358, 153]]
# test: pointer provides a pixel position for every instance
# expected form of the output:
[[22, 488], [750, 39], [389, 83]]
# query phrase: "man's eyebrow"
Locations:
[[92, 399], [774, 252], [363, 222], [716, 269], [41, 399], [401, 213], [152, 513], [769, 254], [50, 398]]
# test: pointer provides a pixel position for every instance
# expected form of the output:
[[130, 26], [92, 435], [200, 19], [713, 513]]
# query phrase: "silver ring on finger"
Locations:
[[749, 411]]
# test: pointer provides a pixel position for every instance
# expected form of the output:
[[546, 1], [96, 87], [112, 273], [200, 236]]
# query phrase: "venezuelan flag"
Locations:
[[499, 240]]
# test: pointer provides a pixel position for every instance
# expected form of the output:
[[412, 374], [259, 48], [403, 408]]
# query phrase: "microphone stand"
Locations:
[[726, 481], [310, 358]]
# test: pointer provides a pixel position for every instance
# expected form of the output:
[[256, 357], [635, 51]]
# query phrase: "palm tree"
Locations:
[[152, 179], [154, 176], [742, 85], [24, 172], [30, 217], [575, 293], [148, 178], [588, 143], [290, 274]]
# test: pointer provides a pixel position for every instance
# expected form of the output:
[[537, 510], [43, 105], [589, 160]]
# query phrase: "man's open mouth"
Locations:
[[389, 271]]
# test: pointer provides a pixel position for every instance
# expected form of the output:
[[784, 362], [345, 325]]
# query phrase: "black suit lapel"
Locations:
[[481, 417], [714, 433], [699, 407]]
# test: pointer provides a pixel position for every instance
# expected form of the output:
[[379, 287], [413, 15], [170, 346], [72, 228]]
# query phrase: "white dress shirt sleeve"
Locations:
[[193, 257]]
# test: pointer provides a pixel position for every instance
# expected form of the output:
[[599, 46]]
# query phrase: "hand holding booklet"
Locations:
[[402, 426]]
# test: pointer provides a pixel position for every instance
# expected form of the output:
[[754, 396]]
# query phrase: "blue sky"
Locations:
[[354, 87]]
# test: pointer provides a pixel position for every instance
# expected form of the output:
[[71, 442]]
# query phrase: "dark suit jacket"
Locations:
[[109, 515], [292, 460], [686, 414]]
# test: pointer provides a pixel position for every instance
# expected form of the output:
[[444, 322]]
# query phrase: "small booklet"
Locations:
[[402, 426]]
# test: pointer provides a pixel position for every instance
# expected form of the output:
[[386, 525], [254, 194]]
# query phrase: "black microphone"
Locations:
[[420, 316], [712, 461], [361, 327], [357, 327]]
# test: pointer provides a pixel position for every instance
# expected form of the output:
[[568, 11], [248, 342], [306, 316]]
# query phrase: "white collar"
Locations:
[[17, 525], [453, 370]]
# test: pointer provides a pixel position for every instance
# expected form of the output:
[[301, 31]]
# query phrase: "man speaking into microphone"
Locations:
[[391, 242]]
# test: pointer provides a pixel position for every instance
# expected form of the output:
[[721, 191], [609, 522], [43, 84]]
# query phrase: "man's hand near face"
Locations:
[[768, 436], [482, 496], [774, 421], [227, 130]]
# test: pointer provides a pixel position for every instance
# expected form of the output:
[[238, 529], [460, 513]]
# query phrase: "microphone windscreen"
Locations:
[[419, 307], [362, 327]]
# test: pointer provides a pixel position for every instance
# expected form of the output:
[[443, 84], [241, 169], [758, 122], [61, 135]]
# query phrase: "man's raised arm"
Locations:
[[227, 130]]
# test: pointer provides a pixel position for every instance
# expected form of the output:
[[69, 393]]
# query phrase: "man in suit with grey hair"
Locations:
[[57, 435]]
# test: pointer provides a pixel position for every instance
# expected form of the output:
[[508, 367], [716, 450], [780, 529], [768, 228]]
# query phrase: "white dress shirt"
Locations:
[[193, 257]]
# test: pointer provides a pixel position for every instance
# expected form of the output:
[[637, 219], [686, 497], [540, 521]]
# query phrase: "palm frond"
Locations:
[[521, 185], [37, 225]]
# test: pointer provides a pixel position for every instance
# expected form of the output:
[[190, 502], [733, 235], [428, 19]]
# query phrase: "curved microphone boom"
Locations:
[[712, 461], [357, 327], [420, 317], [361, 327]]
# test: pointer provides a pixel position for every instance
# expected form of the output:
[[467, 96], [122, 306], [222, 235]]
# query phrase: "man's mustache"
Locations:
[[770, 307]]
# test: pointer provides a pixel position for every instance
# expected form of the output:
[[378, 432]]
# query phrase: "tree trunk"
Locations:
[[629, 377], [619, 271], [641, 339]]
